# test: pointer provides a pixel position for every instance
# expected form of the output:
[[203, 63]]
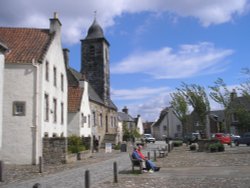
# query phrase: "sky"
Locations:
[[155, 45]]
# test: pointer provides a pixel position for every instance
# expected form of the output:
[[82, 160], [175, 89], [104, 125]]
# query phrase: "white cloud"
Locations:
[[77, 15], [188, 61], [138, 93], [156, 100]]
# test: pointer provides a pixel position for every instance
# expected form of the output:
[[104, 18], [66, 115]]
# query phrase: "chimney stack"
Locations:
[[125, 110], [55, 24], [233, 95], [66, 56]]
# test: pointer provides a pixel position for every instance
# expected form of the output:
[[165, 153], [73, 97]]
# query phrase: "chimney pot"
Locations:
[[55, 15]]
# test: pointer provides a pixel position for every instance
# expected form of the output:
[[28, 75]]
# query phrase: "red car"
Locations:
[[223, 138]]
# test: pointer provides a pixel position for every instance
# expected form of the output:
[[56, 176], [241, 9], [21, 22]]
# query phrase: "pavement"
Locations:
[[181, 168]]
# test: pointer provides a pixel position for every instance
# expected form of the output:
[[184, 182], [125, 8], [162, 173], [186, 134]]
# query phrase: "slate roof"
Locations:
[[163, 113], [25, 44], [217, 115], [125, 117], [74, 98], [73, 80], [95, 31]]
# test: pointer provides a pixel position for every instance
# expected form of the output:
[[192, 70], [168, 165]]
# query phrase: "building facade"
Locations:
[[167, 125], [3, 49], [95, 67], [35, 91]]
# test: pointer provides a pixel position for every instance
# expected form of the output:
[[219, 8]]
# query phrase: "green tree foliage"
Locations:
[[75, 144], [196, 96], [245, 86], [221, 94], [180, 106], [129, 134]]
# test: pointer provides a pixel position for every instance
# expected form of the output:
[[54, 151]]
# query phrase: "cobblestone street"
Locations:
[[181, 168]]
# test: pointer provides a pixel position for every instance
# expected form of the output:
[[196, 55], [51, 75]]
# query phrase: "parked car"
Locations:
[[234, 137], [223, 138], [148, 138], [245, 139]]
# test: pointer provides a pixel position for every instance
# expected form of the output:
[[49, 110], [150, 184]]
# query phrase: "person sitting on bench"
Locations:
[[149, 164], [135, 155]]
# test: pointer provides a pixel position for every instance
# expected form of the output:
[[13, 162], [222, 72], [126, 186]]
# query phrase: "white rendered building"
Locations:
[[35, 91]]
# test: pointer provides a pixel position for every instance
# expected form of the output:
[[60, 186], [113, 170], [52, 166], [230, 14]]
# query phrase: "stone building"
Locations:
[[95, 70]]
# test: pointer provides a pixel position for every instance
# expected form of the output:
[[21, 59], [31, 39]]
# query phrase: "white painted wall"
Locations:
[[55, 58], [86, 130], [75, 124], [140, 125], [18, 130], [119, 131], [1, 95], [22, 135]]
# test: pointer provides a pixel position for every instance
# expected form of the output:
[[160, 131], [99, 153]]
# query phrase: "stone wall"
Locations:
[[55, 150]]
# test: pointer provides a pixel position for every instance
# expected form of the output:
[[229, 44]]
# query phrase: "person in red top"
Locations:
[[149, 164]]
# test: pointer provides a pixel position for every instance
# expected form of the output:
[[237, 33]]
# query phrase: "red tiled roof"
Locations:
[[74, 98], [25, 44]]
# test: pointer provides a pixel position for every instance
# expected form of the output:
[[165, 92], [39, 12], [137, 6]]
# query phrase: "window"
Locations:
[[234, 117], [112, 121], [82, 119], [164, 127], [94, 123], [54, 71], [55, 109], [18, 108], [89, 121], [46, 107], [46, 134], [178, 128], [92, 51], [62, 113], [62, 82], [47, 71], [100, 119]]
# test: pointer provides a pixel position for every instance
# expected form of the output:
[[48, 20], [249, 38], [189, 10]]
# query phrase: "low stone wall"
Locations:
[[54, 150], [203, 144]]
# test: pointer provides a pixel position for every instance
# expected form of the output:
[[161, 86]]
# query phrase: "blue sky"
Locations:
[[154, 45]]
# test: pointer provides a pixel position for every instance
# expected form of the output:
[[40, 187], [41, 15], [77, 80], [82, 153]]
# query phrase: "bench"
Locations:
[[163, 151], [136, 163]]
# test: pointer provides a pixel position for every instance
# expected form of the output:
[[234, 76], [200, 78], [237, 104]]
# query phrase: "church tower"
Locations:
[[95, 61]]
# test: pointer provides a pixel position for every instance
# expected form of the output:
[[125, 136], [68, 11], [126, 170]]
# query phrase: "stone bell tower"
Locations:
[[95, 61]]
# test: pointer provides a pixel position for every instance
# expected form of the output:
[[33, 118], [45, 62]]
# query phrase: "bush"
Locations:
[[75, 144], [177, 143], [221, 147], [192, 147], [216, 147], [117, 147], [213, 147]]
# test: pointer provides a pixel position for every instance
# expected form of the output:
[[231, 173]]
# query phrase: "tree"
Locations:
[[181, 108], [242, 110], [196, 96], [245, 86], [220, 94]]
